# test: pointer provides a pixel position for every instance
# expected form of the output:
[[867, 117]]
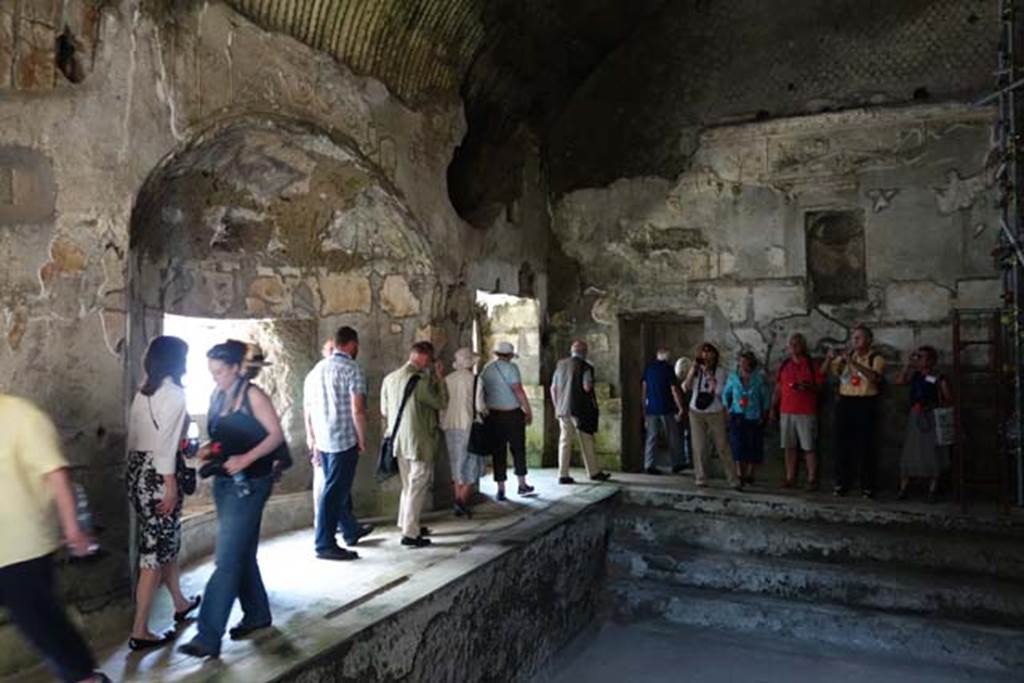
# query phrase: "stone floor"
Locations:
[[309, 596], [655, 653], [305, 591]]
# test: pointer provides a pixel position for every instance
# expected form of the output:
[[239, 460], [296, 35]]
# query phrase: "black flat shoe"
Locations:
[[501, 496], [183, 614], [240, 630], [195, 649], [139, 644], [901, 494], [525, 490], [415, 542], [337, 554], [364, 531], [653, 470], [601, 476]]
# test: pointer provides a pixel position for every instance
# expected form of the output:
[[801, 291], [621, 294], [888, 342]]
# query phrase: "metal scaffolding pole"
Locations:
[[1009, 176]]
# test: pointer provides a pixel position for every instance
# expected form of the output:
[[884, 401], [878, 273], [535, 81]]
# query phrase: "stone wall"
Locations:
[[727, 241], [187, 161], [548, 586], [708, 63]]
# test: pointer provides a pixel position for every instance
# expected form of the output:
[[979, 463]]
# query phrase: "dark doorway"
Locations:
[[639, 338]]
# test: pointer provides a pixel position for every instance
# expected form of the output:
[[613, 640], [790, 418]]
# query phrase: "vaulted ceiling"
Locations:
[[510, 60]]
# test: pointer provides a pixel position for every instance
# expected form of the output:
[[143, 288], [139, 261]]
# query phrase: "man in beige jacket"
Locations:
[[417, 442]]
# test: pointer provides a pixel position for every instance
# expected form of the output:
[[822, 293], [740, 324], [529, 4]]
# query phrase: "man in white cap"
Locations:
[[508, 412], [457, 421], [572, 393]]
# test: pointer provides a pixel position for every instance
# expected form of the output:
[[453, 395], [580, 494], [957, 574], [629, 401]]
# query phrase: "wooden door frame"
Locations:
[[631, 451]]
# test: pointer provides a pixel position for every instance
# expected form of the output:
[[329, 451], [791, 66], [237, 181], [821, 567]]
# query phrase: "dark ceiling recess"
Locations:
[[514, 62], [619, 88]]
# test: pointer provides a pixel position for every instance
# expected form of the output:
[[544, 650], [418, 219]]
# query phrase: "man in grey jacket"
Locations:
[[572, 393]]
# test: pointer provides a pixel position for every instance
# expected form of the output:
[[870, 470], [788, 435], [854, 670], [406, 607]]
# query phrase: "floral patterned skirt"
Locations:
[[158, 537]]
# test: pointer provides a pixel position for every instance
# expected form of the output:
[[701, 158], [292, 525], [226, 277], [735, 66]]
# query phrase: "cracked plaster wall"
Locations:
[[725, 241], [156, 84]]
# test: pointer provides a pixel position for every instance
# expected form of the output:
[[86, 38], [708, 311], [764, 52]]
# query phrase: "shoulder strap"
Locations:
[[476, 379], [410, 386], [149, 402]]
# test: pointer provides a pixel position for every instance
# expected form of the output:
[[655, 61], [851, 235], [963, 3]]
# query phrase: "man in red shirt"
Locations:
[[795, 402]]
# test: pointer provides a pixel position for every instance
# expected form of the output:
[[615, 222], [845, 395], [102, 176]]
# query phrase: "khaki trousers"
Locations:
[[565, 439], [706, 428], [416, 476], [318, 489]]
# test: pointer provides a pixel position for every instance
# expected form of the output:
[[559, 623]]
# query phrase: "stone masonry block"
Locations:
[[771, 302], [397, 298], [917, 301], [345, 294], [732, 301], [979, 293], [6, 43]]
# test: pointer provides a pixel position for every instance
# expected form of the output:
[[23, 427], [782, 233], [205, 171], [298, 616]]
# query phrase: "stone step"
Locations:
[[879, 587], [823, 507], [938, 641], [841, 543]]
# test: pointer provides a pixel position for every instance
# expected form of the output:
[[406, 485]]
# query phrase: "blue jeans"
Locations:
[[336, 500], [237, 575], [667, 424]]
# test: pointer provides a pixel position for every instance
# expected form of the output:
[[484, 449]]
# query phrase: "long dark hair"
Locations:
[[165, 357], [708, 346]]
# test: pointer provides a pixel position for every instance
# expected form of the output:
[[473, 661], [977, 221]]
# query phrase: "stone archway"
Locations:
[[276, 221]]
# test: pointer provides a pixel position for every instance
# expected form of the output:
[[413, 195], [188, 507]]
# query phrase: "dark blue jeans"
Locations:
[[27, 590], [336, 500], [237, 575]]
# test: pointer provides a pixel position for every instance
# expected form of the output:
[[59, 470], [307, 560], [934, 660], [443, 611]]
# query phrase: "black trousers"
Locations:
[[855, 440], [26, 590], [507, 431]]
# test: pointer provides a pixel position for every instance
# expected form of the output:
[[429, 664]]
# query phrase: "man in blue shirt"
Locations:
[[508, 413], [335, 404], [663, 409]]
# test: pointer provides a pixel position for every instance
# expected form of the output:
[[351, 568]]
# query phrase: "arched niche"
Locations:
[[276, 221]]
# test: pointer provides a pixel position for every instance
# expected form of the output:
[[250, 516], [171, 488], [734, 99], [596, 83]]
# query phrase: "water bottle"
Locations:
[[241, 484], [84, 516]]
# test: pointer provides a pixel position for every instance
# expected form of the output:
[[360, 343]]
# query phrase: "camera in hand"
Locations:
[[215, 465], [189, 447]]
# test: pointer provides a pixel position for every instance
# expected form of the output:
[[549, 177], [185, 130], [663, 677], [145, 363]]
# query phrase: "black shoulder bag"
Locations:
[[704, 398], [479, 434], [387, 463]]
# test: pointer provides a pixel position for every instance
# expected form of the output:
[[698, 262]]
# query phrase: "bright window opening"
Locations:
[[200, 334]]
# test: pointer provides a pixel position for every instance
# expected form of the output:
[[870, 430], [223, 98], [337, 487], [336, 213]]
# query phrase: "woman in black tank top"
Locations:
[[245, 425]]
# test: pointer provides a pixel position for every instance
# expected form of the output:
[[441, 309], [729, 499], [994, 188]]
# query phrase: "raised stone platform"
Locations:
[[526, 573], [914, 581]]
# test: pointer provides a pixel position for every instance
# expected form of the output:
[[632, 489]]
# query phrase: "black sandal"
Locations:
[[183, 614], [138, 644]]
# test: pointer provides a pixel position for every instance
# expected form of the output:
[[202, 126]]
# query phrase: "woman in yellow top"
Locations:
[[861, 373]]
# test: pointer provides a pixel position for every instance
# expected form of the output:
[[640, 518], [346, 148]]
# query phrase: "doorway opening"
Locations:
[[514, 319], [639, 338], [283, 342]]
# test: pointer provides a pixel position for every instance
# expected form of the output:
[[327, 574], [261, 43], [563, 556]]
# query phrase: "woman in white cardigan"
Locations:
[[156, 424]]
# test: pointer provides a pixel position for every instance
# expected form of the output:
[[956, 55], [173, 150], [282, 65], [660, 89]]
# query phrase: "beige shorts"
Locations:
[[798, 431]]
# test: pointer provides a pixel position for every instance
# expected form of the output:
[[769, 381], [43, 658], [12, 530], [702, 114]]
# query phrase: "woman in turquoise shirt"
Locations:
[[747, 399]]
